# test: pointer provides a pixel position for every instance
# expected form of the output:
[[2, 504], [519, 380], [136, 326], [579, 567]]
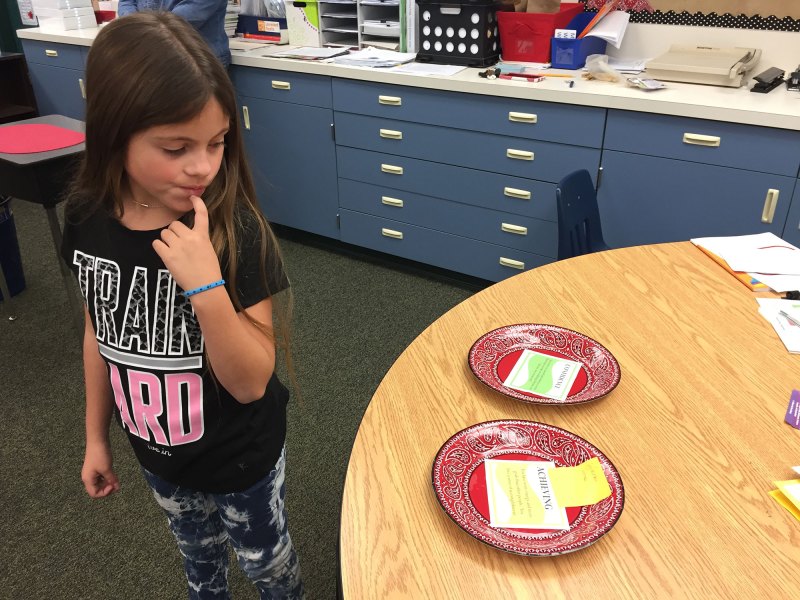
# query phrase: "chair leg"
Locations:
[[75, 308], [8, 301]]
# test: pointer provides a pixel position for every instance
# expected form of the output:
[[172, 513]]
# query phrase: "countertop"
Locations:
[[779, 108]]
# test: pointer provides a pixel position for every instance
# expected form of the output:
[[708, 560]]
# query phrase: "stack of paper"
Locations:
[[310, 53], [784, 316], [763, 257], [375, 58]]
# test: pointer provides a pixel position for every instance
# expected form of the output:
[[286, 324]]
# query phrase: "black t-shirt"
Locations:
[[182, 424]]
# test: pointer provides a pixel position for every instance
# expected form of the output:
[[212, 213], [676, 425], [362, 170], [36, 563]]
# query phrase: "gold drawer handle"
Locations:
[[517, 229], [514, 264], [281, 85], [391, 134], [519, 154], [515, 193], [53, 53], [520, 117], [390, 100], [246, 117], [82, 87], [389, 201], [697, 139], [398, 235], [391, 169], [770, 204]]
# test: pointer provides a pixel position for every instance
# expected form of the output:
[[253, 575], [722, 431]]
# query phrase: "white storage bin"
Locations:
[[64, 13], [60, 4], [55, 24], [382, 28]]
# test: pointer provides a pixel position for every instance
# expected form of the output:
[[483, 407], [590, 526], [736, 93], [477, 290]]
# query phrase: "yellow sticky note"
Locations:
[[580, 486], [791, 490], [785, 503]]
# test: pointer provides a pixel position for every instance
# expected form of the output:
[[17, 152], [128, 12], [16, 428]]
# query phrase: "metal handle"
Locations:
[[391, 134], [770, 204], [519, 154], [82, 85], [390, 100], [510, 262], [697, 139], [391, 169], [398, 235], [517, 229], [281, 85], [246, 117], [515, 193], [389, 201], [520, 117], [53, 53]]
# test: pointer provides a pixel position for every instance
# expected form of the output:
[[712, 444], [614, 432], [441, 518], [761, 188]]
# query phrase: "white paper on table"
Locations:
[[759, 253], [779, 283], [788, 332], [611, 28]]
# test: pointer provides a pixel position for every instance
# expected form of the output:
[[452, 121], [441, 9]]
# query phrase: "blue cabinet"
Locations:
[[290, 148], [791, 232], [57, 76], [461, 182], [667, 179]]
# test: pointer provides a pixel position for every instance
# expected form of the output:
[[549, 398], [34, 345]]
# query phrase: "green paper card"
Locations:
[[543, 375]]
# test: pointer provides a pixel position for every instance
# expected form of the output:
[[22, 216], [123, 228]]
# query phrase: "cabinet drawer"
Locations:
[[548, 121], [57, 55], [453, 252], [763, 149], [504, 229], [299, 88], [521, 157], [526, 197]]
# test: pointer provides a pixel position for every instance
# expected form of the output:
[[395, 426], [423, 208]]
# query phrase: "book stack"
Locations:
[[231, 19], [64, 15]]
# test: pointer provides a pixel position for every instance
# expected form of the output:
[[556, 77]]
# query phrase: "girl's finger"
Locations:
[[200, 215]]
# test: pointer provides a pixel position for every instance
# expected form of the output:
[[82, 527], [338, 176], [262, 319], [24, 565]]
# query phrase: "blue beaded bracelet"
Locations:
[[203, 288]]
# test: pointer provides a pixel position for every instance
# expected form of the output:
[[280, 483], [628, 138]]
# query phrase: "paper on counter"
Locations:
[[428, 69], [611, 28], [788, 332]]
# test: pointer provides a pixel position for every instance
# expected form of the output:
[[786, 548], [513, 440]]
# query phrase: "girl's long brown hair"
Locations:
[[153, 68]]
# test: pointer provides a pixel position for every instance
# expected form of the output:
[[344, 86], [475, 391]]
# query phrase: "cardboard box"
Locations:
[[302, 17], [265, 29]]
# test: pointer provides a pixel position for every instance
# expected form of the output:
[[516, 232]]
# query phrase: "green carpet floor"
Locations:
[[354, 315]]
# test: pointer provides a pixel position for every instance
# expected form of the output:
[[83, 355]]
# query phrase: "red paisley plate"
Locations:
[[492, 357], [459, 480]]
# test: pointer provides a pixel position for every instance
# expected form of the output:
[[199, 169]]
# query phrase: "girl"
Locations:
[[177, 267]]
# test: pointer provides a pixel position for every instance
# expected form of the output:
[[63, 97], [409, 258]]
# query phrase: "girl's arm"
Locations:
[[242, 357], [97, 473]]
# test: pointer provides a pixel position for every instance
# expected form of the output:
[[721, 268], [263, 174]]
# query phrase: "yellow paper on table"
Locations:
[[581, 485], [785, 503], [520, 495], [791, 489]]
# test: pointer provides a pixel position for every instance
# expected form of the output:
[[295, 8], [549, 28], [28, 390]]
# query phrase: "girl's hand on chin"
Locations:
[[188, 253]]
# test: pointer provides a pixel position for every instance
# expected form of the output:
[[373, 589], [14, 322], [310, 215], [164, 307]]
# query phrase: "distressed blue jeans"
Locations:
[[254, 521]]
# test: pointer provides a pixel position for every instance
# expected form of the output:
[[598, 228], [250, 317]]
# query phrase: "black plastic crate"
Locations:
[[459, 33]]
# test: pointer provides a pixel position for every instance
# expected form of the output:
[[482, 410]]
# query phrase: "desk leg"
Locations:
[[7, 299], [75, 308]]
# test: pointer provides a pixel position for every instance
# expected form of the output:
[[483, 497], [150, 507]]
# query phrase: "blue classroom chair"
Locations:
[[579, 230]]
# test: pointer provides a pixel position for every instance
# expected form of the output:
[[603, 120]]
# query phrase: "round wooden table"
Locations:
[[695, 429]]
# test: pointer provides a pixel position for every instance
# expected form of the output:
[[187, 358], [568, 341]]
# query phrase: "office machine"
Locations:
[[726, 67]]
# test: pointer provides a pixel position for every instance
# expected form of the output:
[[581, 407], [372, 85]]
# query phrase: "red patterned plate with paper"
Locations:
[[492, 357], [459, 481]]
